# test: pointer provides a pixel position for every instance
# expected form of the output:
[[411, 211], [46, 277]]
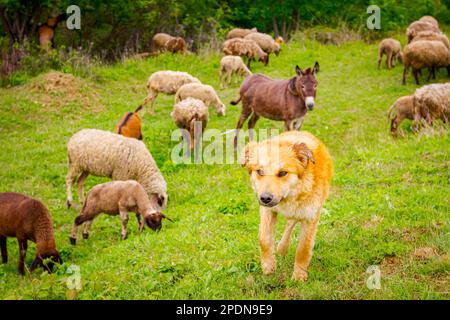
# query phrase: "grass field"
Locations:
[[389, 204]]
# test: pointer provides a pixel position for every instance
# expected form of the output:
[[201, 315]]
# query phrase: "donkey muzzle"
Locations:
[[309, 102]]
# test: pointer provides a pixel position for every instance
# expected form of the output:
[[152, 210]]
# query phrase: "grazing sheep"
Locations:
[[130, 125], [203, 92], [167, 82], [430, 35], [114, 198], [431, 20], [164, 42], [265, 42], [25, 218], [106, 154], [240, 33], [279, 40], [418, 26], [392, 49], [232, 65], [245, 48], [432, 102], [403, 108], [425, 54], [186, 112]]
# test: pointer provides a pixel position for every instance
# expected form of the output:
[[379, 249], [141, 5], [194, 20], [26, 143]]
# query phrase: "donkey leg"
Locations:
[[251, 125], [4, 249], [244, 116]]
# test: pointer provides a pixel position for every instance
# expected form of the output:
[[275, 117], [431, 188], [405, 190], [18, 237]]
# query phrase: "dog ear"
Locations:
[[291, 87], [303, 153], [316, 68], [247, 154]]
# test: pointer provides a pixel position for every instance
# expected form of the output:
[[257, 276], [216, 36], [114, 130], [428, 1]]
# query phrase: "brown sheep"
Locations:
[[245, 48], [162, 42], [432, 102], [130, 125], [430, 35], [392, 49], [265, 42], [431, 20], [403, 108], [418, 26], [240, 33], [425, 54], [26, 219]]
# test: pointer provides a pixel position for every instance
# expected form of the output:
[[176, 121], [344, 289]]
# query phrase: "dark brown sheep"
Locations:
[[281, 100], [26, 219]]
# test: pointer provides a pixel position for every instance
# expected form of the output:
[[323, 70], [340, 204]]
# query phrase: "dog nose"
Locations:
[[266, 198]]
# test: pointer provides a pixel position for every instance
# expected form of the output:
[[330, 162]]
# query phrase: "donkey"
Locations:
[[280, 100]]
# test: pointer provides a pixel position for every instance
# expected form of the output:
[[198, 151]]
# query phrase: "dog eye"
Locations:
[[260, 172], [282, 173]]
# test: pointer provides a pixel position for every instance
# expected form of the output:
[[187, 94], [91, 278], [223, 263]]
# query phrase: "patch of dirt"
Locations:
[[390, 265], [425, 253], [56, 90], [373, 222]]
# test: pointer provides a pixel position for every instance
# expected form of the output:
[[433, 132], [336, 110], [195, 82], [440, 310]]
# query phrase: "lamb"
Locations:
[[432, 102], [232, 65], [240, 33], [403, 108], [265, 42], [392, 49], [418, 26], [167, 82], [202, 92], [130, 125], [245, 48], [430, 35], [186, 112], [425, 54], [431, 20], [106, 154], [25, 218], [164, 42], [114, 198]]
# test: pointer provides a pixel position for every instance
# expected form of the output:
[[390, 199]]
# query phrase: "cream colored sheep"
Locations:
[[240, 33], [425, 54], [265, 42], [430, 35], [167, 82], [245, 48], [418, 26], [230, 65], [203, 92], [185, 114], [114, 198], [392, 49], [106, 154], [432, 102], [431, 20], [403, 108]]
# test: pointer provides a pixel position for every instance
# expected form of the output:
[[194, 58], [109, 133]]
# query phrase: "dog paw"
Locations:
[[300, 275], [268, 267]]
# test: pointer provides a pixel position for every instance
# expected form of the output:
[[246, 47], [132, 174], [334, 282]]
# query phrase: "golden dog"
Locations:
[[291, 175]]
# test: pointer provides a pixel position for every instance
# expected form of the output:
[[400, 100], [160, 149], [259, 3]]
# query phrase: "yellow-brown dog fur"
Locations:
[[293, 171]]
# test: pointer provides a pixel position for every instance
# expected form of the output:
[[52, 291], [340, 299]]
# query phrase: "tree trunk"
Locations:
[[275, 26]]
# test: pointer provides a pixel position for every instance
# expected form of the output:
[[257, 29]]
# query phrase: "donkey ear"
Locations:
[[298, 70], [316, 67], [291, 87], [303, 154]]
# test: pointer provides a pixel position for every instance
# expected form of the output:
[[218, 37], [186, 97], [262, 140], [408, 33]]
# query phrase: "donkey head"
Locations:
[[305, 85]]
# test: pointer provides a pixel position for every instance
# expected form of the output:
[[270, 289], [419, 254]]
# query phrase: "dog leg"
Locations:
[[283, 245], [266, 240], [305, 249]]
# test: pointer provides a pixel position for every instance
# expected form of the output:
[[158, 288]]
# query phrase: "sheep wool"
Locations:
[[265, 41], [230, 65], [432, 102], [203, 92]]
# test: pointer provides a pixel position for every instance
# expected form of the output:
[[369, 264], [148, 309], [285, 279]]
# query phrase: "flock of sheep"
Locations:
[[428, 48]]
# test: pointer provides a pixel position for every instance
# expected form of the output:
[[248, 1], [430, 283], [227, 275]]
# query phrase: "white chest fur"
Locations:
[[292, 208]]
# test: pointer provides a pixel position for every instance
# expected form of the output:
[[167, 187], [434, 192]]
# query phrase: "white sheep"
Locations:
[[265, 41], [167, 82], [185, 114], [114, 198], [203, 92], [106, 154], [232, 65]]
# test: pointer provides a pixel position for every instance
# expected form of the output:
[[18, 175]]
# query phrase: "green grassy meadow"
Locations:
[[389, 204]]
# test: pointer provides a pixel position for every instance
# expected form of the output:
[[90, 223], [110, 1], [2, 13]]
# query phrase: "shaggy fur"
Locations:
[[203, 92], [266, 42], [403, 108], [164, 42], [25, 218], [392, 49], [186, 112], [418, 26], [432, 102], [425, 54], [431, 20], [230, 65], [240, 33], [106, 154], [167, 82], [291, 175], [114, 198], [130, 125], [245, 48]]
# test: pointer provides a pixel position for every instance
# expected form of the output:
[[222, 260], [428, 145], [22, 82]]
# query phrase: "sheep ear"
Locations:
[[316, 67], [303, 154], [298, 70]]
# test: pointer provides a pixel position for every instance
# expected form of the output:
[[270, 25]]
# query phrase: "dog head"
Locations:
[[277, 169]]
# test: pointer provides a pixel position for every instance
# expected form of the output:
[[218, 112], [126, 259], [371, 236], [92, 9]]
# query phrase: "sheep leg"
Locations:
[[415, 73], [124, 217], [388, 60], [81, 180], [244, 116], [140, 224], [23, 245], [87, 227], [380, 54], [152, 100], [71, 177], [405, 71], [220, 78], [251, 125], [4, 249]]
